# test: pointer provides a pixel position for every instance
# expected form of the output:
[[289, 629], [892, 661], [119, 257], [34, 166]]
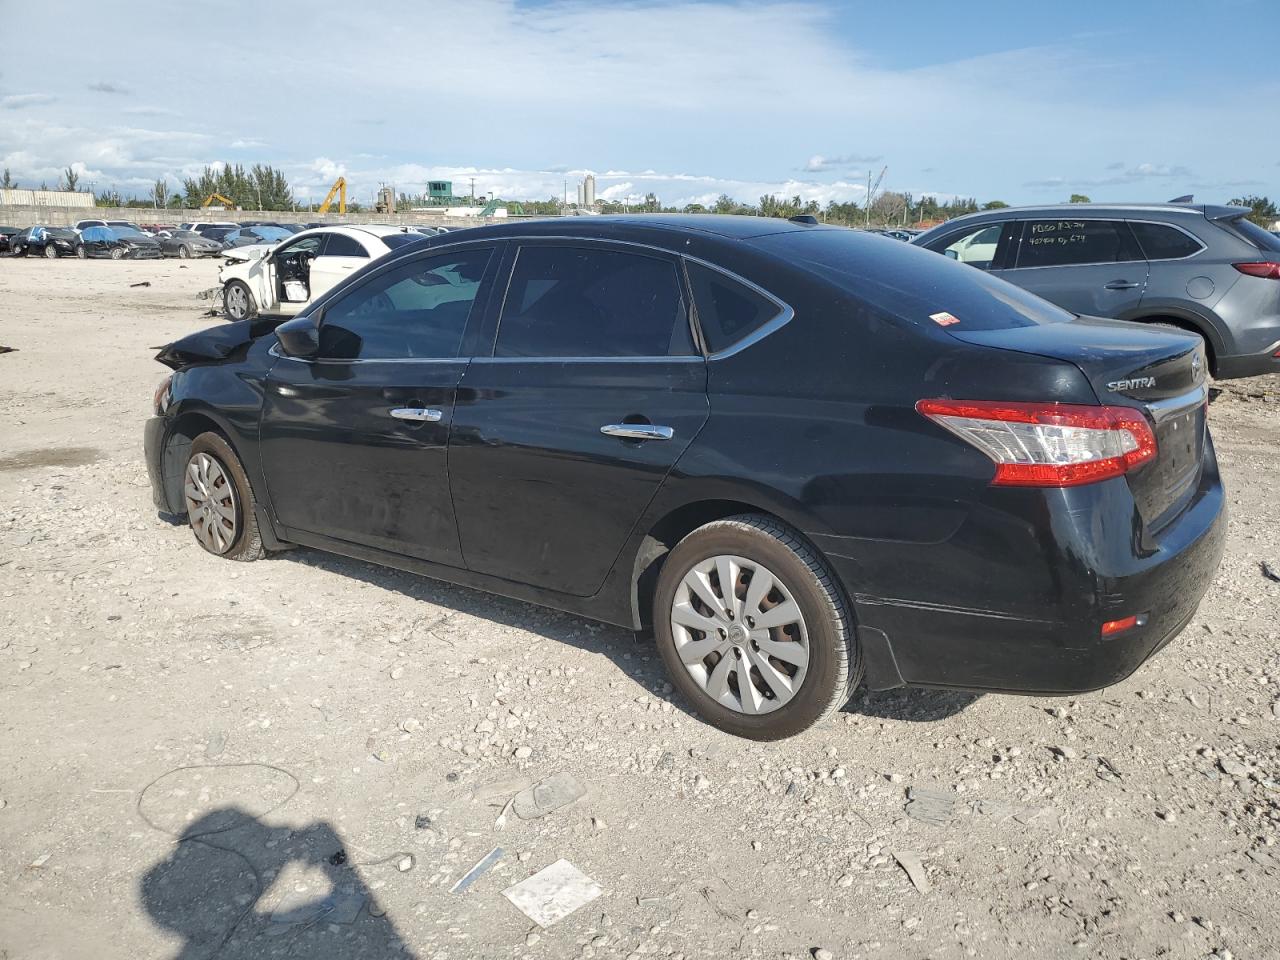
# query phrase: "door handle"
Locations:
[[1119, 285], [417, 414], [637, 431]]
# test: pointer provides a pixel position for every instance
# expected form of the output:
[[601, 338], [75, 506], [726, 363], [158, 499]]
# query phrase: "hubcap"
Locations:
[[740, 634], [237, 303], [211, 503]]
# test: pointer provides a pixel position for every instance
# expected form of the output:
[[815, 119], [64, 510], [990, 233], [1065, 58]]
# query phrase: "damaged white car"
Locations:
[[281, 280]]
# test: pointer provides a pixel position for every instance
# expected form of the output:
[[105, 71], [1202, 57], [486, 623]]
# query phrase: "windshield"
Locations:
[[271, 234], [911, 282]]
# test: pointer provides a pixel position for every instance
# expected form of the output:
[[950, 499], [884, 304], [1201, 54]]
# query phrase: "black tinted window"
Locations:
[[1055, 243], [727, 310], [417, 310], [575, 302], [1162, 242], [340, 245], [976, 245]]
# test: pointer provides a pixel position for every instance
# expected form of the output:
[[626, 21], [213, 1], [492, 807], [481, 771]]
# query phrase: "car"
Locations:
[[51, 242], [6, 233], [203, 227], [257, 234], [118, 243], [803, 456], [186, 244], [82, 225], [1202, 268], [284, 278]]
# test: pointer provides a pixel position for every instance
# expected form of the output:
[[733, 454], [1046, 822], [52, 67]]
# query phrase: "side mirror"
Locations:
[[952, 254], [299, 337]]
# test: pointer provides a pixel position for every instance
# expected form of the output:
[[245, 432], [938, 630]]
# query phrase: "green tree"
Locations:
[[70, 180], [261, 188], [1263, 211], [110, 198], [994, 205], [1080, 198], [7, 181]]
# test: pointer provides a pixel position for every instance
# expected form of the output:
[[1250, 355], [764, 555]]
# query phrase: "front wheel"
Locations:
[[237, 301], [219, 501], [754, 630], [184, 252], [50, 252], [81, 252], [117, 253]]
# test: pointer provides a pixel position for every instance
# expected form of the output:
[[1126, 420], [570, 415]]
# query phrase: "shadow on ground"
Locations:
[[634, 654], [214, 888]]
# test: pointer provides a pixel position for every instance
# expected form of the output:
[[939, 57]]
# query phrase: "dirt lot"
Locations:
[[314, 726]]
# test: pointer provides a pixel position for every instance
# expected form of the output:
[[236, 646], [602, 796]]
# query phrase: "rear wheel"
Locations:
[[753, 629], [81, 252], [237, 301], [117, 253], [219, 501], [50, 252]]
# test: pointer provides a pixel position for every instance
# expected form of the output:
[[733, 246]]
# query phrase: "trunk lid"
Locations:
[[1160, 371]]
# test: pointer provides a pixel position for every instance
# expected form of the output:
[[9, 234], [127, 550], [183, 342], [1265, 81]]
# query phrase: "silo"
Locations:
[[589, 190]]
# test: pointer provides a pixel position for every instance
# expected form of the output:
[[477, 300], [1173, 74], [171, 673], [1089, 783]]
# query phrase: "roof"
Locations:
[[1208, 210], [621, 226]]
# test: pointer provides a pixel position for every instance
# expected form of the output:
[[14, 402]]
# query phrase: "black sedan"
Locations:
[[51, 242], [118, 243], [6, 234], [185, 244], [804, 457]]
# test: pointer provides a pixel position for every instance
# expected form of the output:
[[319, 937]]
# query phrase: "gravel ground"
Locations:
[[317, 727]]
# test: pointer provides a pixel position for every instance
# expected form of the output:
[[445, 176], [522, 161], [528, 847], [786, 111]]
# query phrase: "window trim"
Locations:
[[779, 320], [1107, 263], [667, 256]]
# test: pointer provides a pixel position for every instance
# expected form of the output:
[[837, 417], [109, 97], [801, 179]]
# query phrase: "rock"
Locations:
[[397, 673], [845, 881], [405, 864], [1233, 768], [753, 914], [1271, 569], [822, 953], [410, 725], [523, 753], [700, 784], [533, 938], [1064, 753]]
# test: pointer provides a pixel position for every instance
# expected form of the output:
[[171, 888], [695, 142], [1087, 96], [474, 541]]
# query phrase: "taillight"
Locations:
[[1267, 269], [1048, 444]]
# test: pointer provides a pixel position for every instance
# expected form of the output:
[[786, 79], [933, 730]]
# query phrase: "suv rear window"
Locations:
[[728, 311], [1160, 241], [1068, 242], [1262, 239]]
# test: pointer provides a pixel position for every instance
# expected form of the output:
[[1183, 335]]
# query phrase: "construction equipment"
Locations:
[[340, 188], [227, 202], [386, 202]]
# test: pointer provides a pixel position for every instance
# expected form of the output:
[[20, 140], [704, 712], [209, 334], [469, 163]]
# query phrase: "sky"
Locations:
[[1022, 101]]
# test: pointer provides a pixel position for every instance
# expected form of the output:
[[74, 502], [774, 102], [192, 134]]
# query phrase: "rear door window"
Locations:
[[728, 311], [572, 301], [340, 245], [1067, 242], [1159, 241]]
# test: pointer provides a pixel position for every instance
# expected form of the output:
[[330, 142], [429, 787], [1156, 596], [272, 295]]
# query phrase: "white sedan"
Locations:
[[282, 279]]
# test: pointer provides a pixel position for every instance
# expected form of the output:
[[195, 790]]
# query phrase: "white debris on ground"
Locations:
[[1139, 821]]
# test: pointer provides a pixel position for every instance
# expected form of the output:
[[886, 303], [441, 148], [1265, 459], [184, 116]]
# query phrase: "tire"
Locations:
[[81, 252], [237, 301], [50, 252], [833, 665], [184, 252], [219, 501], [117, 253]]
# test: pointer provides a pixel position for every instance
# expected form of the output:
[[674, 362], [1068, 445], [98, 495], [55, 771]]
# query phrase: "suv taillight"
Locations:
[[1267, 269], [1048, 444]]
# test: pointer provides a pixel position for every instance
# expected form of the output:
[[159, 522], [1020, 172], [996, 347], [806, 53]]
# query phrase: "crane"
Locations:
[[226, 202], [340, 188]]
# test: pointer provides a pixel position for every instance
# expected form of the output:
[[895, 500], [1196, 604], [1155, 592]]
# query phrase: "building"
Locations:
[[45, 198], [589, 191]]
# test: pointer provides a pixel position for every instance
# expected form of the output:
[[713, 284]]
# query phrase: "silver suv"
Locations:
[[1203, 268]]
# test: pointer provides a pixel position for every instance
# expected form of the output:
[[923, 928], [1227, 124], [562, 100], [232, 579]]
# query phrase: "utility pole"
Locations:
[[867, 202], [473, 191]]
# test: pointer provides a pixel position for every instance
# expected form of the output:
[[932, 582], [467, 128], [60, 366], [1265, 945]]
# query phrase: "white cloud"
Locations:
[[20, 101], [106, 86]]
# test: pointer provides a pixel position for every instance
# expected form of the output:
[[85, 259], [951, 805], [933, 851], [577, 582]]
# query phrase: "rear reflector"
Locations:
[[1112, 627], [1267, 269], [1048, 444]]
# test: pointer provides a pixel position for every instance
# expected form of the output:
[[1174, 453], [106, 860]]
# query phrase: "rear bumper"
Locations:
[[1251, 365], [1030, 617]]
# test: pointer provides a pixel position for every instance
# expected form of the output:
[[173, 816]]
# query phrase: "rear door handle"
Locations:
[[417, 414], [637, 431], [1119, 285]]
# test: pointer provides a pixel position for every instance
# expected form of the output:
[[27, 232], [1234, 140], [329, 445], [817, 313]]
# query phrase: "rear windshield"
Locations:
[[394, 240], [913, 283], [1262, 239]]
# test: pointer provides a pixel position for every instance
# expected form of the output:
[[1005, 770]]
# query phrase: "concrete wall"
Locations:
[[26, 216]]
